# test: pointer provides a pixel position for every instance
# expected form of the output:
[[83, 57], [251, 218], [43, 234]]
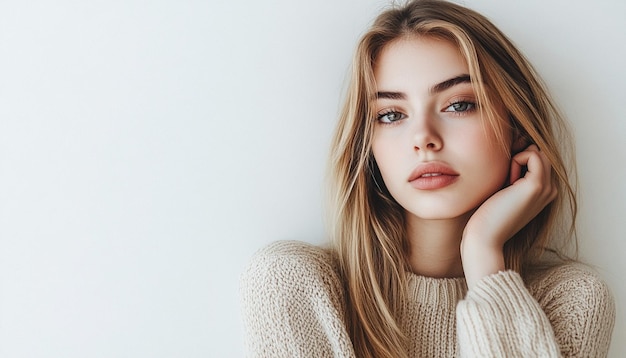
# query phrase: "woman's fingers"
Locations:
[[538, 176]]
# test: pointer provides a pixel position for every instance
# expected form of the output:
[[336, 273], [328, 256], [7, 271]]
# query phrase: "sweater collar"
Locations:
[[437, 292]]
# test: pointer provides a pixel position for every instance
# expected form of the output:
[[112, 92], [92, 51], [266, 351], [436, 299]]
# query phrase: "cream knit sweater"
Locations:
[[294, 306]]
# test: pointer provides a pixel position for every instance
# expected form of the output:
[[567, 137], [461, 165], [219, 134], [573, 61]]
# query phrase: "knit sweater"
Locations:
[[294, 305]]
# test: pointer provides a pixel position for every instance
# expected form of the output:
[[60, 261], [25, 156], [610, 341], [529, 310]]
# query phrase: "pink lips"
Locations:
[[432, 175]]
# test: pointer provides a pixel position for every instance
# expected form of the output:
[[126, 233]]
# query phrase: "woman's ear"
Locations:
[[519, 143], [520, 140]]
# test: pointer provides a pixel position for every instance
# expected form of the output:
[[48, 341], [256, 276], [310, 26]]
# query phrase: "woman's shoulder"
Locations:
[[573, 290], [292, 264], [293, 302], [579, 305], [568, 278], [288, 256]]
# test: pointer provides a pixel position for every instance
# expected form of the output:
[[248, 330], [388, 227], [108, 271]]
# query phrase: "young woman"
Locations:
[[451, 208]]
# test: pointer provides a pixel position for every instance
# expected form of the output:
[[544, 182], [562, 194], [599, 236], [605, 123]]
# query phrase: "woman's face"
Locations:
[[437, 156]]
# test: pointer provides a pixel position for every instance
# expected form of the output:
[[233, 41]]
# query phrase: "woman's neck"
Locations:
[[434, 246]]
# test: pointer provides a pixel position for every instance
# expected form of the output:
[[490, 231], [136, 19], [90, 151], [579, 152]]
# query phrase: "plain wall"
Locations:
[[149, 148]]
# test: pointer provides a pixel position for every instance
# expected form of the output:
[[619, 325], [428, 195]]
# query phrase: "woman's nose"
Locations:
[[426, 135]]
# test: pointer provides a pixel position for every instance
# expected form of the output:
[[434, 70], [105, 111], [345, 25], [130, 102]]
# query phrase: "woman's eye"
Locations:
[[461, 106], [390, 117]]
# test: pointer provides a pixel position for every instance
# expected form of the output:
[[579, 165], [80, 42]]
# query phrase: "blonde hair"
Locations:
[[367, 224]]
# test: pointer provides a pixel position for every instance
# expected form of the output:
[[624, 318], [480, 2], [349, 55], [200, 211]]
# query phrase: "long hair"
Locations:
[[368, 225]]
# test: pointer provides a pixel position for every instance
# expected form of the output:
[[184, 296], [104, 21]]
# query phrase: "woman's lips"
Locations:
[[432, 175]]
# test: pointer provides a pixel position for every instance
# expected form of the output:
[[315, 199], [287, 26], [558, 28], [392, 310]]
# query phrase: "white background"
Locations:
[[148, 148]]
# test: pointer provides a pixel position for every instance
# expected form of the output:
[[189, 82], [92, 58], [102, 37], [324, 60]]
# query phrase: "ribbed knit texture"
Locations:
[[294, 306]]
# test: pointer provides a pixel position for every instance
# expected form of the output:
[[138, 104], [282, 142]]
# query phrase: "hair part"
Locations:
[[368, 225]]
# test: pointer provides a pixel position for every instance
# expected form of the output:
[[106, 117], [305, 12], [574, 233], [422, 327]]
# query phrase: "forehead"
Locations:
[[417, 63]]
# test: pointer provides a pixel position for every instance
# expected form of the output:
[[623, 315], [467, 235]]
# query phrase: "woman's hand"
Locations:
[[505, 213]]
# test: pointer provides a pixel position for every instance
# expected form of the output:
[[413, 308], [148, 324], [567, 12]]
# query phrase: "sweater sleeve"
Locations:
[[565, 313], [580, 308], [499, 318], [293, 306]]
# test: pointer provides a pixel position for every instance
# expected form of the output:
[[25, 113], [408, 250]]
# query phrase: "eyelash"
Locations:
[[472, 107], [387, 112]]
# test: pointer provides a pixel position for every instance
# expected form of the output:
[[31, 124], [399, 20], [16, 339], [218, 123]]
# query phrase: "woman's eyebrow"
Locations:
[[439, 87], [442, 86], [390, 95]]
